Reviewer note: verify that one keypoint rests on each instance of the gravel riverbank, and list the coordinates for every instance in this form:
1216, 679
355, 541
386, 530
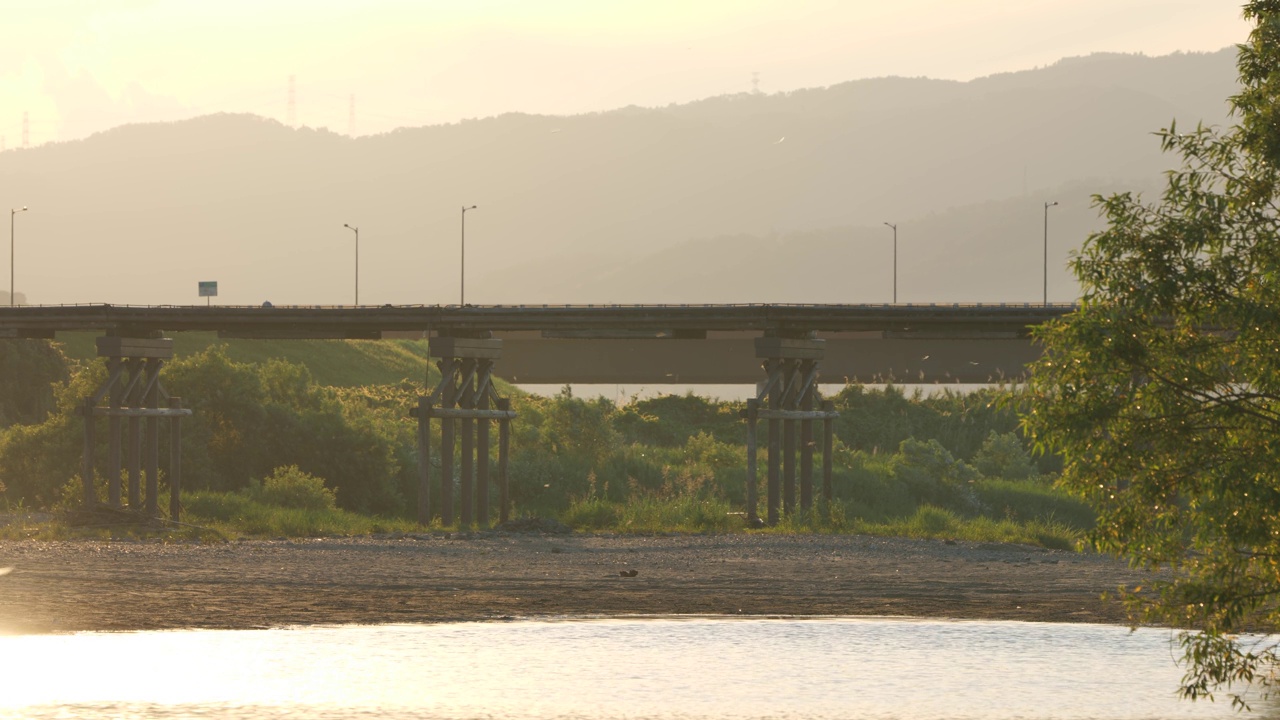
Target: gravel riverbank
126, 585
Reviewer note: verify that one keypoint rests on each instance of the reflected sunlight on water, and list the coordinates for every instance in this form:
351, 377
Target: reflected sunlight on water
643, 668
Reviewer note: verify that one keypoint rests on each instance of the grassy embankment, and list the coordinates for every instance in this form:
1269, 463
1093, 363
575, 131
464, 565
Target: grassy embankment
343, 363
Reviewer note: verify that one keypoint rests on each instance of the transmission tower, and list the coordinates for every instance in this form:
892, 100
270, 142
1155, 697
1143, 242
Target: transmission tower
26, 130
292, 116
351, 117
755, 83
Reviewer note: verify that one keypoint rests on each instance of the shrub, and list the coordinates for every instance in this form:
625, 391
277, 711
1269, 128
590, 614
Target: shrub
934, 477
1002, 455
289, 487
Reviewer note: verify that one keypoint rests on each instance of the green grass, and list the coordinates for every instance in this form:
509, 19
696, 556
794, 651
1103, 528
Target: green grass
237, 514
219, 516
1027, 500
650, 515
935, 523
340, 363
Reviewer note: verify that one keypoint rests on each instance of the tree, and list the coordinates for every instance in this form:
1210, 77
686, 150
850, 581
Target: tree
1163, 391
31, 369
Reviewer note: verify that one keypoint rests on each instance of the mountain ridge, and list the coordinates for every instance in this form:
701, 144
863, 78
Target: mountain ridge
572, 208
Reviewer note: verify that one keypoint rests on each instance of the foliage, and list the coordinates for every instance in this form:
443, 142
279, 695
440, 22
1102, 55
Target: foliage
867, 486
31, 369
934, 522
289, 487
878, 420
933, 476
1028, 500
1163, 391
659, 464
239, 513
247, 420
336, 363
1003, 455
37, 461
653, 515
670, 420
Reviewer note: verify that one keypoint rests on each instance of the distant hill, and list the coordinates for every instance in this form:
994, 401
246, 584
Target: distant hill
731, 199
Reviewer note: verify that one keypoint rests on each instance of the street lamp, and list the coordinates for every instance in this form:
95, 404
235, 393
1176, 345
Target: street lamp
356, 230
895, 261
12, 213
1047, 205
462, 282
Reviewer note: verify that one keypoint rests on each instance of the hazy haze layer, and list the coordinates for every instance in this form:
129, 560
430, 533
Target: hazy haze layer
83, 67
736, 198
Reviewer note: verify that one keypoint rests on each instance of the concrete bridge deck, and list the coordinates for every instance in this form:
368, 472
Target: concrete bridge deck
968, 343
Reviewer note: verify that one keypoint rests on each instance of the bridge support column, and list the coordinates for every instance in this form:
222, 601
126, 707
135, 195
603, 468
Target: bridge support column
465, 394
791, 393
133, 392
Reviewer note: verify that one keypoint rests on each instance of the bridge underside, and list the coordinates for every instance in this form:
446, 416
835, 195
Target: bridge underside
529, 359
626, 344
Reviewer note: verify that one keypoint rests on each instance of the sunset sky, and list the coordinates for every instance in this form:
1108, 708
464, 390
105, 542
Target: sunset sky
79, 67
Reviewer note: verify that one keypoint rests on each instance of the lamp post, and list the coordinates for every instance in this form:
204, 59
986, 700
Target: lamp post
12, 213
356, 230
895, 261
462, 281
1047, 205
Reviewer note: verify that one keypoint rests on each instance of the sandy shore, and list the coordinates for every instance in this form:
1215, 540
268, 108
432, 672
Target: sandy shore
121, 585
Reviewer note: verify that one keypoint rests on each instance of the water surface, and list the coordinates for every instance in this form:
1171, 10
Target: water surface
696, 668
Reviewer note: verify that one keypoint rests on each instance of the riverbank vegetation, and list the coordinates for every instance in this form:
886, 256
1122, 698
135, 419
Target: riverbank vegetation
1163, 390
943, 465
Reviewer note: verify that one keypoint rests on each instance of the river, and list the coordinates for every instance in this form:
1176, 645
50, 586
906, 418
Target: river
671, 668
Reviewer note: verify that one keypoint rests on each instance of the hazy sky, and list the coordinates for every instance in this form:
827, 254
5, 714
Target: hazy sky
81, 66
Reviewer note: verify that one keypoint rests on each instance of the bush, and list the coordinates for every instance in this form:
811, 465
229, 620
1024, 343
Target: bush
289, 487
1002, 455
869, 490
934, 477
671, 420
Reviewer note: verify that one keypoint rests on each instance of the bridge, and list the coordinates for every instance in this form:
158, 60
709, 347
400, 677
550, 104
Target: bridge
779, 346
652, 344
